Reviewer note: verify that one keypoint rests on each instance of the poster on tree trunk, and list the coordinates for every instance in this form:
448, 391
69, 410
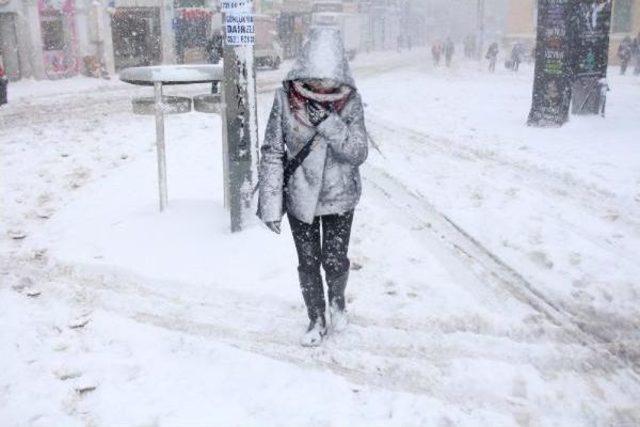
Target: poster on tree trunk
590, 28
552, 79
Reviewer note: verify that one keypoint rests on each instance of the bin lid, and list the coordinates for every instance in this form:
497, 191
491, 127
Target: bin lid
173, 74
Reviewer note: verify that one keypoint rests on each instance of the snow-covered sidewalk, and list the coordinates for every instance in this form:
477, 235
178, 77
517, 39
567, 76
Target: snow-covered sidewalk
108, 304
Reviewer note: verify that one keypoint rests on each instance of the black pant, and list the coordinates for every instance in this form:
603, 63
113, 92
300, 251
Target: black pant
624, 63
331, 251
3, 91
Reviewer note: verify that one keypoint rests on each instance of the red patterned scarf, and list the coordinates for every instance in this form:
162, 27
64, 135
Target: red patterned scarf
299, 94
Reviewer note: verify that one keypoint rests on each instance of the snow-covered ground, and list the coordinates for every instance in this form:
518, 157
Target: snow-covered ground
495, 281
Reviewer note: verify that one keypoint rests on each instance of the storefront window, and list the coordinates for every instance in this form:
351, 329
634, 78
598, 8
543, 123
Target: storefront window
52, 32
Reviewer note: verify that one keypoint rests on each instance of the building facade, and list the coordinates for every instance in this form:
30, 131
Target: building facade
62, 38
522, 16
625, 22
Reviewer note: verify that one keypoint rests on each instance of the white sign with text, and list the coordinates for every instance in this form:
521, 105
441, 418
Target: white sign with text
240, 29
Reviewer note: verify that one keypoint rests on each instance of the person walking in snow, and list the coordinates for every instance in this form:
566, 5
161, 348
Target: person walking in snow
449, 50
492, 56
516, 56
436, 52
625, 51
314, 143
4, 83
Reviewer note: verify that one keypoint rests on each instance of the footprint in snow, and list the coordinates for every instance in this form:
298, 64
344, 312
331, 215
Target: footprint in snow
541, 259
575, 258
582, 296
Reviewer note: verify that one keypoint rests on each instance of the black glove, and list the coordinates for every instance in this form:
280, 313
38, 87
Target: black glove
317, 113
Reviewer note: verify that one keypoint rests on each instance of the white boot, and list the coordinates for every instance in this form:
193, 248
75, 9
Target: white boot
339, 318
315, 333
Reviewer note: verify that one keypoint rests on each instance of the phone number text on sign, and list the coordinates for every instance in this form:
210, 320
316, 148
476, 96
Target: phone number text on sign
240, 30
230, 6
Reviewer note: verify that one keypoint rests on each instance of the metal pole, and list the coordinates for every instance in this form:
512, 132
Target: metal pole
225, 144
160, 148
241, 129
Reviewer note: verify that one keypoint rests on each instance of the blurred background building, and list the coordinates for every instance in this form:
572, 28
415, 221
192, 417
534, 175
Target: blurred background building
61, 38
522, 16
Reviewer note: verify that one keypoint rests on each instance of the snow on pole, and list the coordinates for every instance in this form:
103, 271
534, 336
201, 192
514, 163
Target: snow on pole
160, 145
240, 110
553, 69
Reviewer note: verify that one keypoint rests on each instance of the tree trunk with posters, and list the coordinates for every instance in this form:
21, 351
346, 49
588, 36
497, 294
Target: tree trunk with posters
240, 120
553, 71
590, 26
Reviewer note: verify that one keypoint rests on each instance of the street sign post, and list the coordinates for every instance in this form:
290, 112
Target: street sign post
240, 121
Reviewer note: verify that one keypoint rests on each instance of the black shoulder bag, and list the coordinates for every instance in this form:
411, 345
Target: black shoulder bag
291, 165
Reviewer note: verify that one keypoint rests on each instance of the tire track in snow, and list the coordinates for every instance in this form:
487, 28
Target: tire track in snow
497, 271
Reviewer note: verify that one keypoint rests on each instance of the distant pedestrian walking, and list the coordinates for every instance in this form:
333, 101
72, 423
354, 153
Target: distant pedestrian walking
309, 170
625, 52
436, 53
470, 46
4, 84
449, 50
517, 52
492, 56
